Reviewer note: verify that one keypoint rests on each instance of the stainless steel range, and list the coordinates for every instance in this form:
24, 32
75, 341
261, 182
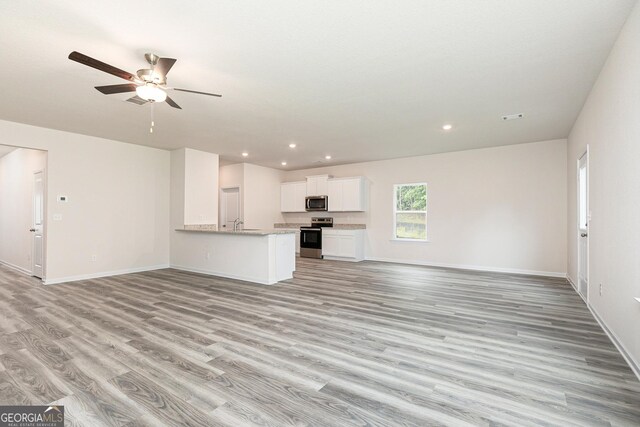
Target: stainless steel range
311, 237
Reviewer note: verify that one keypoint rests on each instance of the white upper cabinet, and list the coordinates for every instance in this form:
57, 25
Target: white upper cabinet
317, 185
292, 196
344, 194
334, 195
347, 194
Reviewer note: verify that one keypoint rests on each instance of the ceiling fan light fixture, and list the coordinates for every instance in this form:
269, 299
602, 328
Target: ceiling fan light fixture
151, 93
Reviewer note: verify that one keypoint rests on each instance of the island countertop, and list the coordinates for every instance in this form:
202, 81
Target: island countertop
249, 232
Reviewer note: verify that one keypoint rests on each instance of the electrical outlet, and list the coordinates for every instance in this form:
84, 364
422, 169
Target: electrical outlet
600, 289
94, 258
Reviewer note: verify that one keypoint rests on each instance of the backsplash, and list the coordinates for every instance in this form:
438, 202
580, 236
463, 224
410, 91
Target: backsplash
338, 217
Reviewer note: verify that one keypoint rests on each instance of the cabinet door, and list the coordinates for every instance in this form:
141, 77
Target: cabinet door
298, 241
286, 197
330, 245
352, 195
334, 192
312, 186
347, 247
321, 186
299, 194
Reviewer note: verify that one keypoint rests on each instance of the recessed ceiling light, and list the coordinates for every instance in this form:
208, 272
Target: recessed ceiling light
292, 145
284, 163
327, 157
245, 154
447, 127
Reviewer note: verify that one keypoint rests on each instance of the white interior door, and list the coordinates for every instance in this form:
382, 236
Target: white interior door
583, 225
38, 225
230, 207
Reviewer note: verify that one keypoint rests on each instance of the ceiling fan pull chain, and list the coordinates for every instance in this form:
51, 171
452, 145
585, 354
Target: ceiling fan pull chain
152, 121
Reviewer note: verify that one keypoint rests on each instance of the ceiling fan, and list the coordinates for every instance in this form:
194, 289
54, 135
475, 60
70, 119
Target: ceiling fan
149, 84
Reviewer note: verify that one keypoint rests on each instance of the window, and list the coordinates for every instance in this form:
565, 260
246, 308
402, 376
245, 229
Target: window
410, 211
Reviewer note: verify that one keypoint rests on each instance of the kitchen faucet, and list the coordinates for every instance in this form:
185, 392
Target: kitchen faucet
236, 223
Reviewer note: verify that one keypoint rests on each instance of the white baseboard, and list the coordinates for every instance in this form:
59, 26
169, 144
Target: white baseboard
225, 275
339, 258
104, 274
633, 364
575, 288
472, 267
17, 268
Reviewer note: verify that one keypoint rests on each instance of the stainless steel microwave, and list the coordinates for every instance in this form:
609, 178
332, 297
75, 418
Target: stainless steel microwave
316, 203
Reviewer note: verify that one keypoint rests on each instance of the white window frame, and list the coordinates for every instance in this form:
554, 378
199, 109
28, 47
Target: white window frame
396, 211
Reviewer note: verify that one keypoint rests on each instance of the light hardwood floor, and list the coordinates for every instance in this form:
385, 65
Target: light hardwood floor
341, 344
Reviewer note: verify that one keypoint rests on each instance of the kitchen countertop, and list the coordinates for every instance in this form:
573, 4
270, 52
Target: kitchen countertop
239, 232
293, 225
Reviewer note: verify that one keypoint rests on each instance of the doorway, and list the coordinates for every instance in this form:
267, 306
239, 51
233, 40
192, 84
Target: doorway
583, 225
230, 207
38, 225
23, 185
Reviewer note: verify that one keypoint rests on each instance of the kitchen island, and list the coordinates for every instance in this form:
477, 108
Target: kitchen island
259, 256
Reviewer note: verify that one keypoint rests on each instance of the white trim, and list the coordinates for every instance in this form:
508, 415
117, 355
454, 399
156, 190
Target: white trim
17, 268
339, 258
471, 267
396, 239
588, 213
394, 236
45, 212
226, 275
104, 274
575, 288
634, 365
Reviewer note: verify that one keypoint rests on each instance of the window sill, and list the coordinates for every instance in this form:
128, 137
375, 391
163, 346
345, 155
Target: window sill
394, 239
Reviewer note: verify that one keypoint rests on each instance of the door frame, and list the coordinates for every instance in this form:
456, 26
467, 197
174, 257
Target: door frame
223, 203
45, 228
584, 154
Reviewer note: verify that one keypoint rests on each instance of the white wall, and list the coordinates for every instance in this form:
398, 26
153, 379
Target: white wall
498, 208
16, 205
194, 187
201, 187
177, 188
610, 124
261, 196
259, 192
118, 205
232, 176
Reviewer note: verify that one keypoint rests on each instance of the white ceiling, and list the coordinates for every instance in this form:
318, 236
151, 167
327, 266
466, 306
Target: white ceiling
360, 80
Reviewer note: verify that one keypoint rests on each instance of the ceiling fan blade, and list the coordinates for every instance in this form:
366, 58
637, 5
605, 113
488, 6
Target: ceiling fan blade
98, 65
198, 92
164, 65
137, 100
111, 89
173, 103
